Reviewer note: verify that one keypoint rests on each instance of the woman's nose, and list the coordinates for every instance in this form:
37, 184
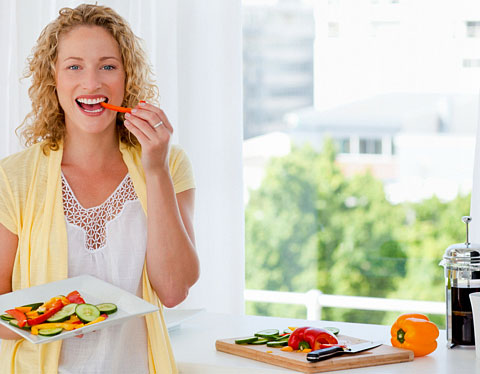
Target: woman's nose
91, 81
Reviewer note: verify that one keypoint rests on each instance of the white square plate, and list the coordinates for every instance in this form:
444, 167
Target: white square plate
93, 290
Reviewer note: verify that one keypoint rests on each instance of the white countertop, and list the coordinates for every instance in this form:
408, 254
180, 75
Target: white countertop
194, 347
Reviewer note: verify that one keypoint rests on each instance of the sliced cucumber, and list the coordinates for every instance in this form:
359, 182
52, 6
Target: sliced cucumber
267, 334
34, 306
277, 343
259, 342
248, 340
50, 332
333, 330
64, 313
87, 312
6, 317
107, 308
14, 322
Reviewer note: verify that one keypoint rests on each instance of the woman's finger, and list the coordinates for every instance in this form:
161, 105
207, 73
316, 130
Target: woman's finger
142, 125
150, 117
154, 113
139, 134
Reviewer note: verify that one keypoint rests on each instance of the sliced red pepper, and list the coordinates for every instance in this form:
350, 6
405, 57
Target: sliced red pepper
296, 337
316, 337
19, 316
74, 297
43, 317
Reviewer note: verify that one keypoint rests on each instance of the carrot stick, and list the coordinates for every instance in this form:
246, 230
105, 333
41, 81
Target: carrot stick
116, 108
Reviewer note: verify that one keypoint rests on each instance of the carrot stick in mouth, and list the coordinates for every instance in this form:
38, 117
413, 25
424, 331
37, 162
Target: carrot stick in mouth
120, 109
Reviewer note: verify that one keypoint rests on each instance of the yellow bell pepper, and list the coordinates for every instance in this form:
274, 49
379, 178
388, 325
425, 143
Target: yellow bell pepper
99, 319
24, 309
54, 325
416, 333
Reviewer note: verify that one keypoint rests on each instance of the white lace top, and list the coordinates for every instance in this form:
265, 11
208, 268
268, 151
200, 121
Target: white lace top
109, 242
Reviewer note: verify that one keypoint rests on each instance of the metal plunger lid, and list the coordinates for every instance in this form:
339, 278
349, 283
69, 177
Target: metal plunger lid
463, 255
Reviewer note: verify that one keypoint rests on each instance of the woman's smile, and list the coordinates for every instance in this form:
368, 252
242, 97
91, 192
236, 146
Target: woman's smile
90, 104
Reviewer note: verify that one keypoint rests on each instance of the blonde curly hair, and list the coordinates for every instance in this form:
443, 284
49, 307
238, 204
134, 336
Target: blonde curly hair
46, 121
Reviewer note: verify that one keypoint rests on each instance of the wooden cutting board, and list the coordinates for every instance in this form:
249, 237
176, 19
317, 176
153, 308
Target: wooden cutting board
381, 355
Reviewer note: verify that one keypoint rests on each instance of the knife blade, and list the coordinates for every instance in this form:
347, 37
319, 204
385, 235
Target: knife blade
324, 353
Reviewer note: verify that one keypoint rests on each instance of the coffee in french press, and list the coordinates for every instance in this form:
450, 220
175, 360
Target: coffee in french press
462, 277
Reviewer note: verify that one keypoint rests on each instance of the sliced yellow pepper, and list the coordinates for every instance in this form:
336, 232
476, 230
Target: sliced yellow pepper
99, 319
54, 325
73, 319
24, 309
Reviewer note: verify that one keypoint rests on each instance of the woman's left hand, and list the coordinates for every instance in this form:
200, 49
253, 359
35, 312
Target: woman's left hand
153, 130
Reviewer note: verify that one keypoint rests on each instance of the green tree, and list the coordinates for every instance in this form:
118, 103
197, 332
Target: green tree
310, 227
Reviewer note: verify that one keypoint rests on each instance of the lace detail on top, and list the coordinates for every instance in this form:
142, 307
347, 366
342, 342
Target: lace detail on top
93, 221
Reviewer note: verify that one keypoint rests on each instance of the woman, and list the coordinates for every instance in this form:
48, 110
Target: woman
76, 201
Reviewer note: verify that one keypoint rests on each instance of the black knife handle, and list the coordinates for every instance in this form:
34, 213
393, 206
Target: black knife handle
324, 353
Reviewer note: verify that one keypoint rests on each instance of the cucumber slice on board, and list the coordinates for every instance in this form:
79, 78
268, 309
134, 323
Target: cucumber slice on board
87, 312
64, 313
277, 343
107, 308
50, 332
268, 334
260, 342
248, 340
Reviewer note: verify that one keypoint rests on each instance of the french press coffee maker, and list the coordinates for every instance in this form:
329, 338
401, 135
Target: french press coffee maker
462, 277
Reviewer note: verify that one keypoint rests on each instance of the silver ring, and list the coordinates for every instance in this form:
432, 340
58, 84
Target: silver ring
158, 124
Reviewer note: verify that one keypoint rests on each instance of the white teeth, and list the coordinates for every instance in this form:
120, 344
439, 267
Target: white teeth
93, 111
91, 101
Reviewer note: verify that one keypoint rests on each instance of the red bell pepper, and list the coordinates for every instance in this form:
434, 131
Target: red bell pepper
314, 336
74, 297
296, 337
18, 315
43, 317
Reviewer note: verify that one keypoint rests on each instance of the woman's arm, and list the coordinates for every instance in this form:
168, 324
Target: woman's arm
172, 261
8, 250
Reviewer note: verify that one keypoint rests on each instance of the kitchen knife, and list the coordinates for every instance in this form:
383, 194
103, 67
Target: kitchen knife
324, 353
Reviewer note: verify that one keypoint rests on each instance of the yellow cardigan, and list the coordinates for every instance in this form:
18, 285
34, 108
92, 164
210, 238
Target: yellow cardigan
31, 206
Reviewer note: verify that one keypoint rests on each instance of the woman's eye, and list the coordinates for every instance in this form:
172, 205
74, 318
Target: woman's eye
73, 67
108, 67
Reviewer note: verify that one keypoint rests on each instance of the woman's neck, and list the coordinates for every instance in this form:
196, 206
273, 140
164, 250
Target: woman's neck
91, 152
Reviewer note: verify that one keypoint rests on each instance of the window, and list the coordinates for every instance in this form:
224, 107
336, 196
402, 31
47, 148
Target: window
471, 62
473, 29
355, 181
371, 146
343, 145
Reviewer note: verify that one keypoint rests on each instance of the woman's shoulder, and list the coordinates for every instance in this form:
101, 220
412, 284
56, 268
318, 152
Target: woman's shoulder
176, 150
22, 161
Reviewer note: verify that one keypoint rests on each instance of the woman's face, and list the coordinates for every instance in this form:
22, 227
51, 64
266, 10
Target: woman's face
89, 70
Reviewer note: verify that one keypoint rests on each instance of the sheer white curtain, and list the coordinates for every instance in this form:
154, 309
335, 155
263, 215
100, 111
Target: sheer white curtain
195, 49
